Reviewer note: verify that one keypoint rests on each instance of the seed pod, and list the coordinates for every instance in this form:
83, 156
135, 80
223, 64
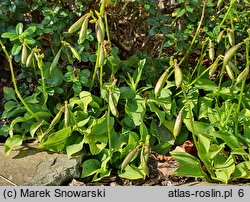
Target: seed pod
213, 67
75, 53
56, 59
144, 163
29, 59
129, 157
161, 81
66, 114
211, 50
178, 75
231, 38
178, 124
24, 54
112, 105
100, 30
101, 56
230, 72
219, 37
146, 149
233, 67
56, 118
229, 54
83, 31
76, 25
243, 75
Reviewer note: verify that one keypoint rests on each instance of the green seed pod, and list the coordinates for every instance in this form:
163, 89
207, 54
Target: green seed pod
219, 37
231, 38
178, 75
233, 67
213, 67
146, 149
211, 50
24, 54
101, 56
75, 53
230, 72
66, 114
144, 162
229, 54
83, 31
129, 157
178, 124
56, 118
112, 105
56, 59
76, 25
160, 83
243, 75
29, 59
100, 30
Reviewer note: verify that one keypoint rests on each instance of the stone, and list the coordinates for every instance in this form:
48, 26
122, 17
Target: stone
27, 167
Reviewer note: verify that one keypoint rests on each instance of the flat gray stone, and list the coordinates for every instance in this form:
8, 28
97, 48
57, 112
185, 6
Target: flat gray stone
26, 166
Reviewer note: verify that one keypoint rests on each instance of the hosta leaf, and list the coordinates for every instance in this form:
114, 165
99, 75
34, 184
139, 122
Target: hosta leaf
131, 173
189, 165
90, 167
35, 126
11, 143
75, 147
242, 170
57, 140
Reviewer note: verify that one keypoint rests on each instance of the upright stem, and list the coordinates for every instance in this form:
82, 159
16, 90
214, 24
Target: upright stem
241, 91
194, 38
95, 70
109, 133
14, 81
227, 13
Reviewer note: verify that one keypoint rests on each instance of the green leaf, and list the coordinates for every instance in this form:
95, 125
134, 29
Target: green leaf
11, 143
135, 110
16, 49
199, 127
229, 139
11, 35
224, 168
206, 85
35, 126
9, 93
131, 173
189, 165
19, 28
57, 140
90, 167
30, 41
29, 31
10, 105
76, 147
242, 170
97, 137
14, 122
127, 92
4, 131
86, 98
159, 113
164, 136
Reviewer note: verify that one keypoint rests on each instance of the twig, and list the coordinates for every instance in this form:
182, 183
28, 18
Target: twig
7, 180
